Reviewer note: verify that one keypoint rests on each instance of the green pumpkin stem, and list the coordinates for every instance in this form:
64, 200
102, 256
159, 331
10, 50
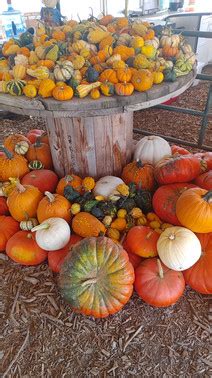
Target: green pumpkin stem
50, 196
160, 269
208, 196
8, 153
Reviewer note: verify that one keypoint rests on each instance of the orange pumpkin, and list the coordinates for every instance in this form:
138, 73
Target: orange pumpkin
23, 201
8, 227
59, 35
86, 225
124, 89
70, 180
63, 93
46, 63
124, 51
170, 51
23, 249
40, 151
105, 20
142, 241
3, 206
149, 35
12, 165
11, 141
124, 74
204, 180
142, 80
108, 75
24, 51
141, 174
53, 205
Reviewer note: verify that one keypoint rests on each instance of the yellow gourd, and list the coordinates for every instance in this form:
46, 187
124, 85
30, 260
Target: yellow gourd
88, 183
122, 213
19, 71
113, 234
39, 73
158, 77
30, 91
46, 88
119, 224
33, 58
83, 90
95, 94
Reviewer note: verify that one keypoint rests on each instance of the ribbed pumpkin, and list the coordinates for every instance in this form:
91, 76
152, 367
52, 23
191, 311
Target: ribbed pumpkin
70, 180
24, 201
12, 165
86, 225
109, 75
142, 241
8, 227
30, 91
11, 141
97, 265
205, 180
53, 205
46, 87
63, 93
124, 89
40, 151
124, 74
141, 174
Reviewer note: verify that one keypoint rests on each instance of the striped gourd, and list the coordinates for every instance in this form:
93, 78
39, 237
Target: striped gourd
63, 70
15, 87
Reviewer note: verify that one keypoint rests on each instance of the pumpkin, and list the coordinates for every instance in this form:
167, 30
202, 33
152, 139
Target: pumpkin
141, 174
134, 259
52, 234
142, 80
35, 82
40, 151
124, 74
3, 206
149, 51
43, 179
110, 276
151, 149
11, 141
12, 165
63, 93
69, 180
33, 134
153, 42
124, 51
105, 20
158, 285
178, 248
206, 158
30, 91
164, 201
56, 258
19, 72
108, 75
114, 58
106, 186
124, 89
86, 225
53, 206
59, 35
24, 199
28, 224
177, 168
8, 227
23, 249
137, 42
141, 61
15, 87
63, 70
46, 87
194, 210
170, 51
22, 147
142, 241
198, 277
204, 180
179, 150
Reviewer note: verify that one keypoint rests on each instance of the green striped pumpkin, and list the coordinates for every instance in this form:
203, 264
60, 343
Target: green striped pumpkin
15, 87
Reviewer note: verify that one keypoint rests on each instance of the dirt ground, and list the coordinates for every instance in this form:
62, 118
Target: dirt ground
42, 337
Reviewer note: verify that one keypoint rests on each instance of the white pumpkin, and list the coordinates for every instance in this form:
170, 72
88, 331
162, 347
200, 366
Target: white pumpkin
151, 149
52, 234
178, 248
63, 71
106, 186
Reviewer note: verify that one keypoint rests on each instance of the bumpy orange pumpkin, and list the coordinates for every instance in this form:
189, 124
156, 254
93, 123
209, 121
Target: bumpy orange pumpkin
53, 205
142, 80
108, 75
23, 201
141, 174
86, 225
124, 89
124, 74
63, 93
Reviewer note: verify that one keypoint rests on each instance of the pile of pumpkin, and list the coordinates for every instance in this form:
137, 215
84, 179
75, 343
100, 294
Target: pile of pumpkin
144, 228
107, 56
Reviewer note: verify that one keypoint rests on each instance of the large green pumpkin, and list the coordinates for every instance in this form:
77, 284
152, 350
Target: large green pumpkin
96, 277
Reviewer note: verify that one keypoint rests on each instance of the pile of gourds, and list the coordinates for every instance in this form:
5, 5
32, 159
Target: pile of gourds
151, 227
93, 57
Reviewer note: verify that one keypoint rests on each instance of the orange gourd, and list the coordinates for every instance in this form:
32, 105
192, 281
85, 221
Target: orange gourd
53, 205
59, 35
70, 180
124, 51
108, 75
124, 74
142, 241
86, 225
46, 63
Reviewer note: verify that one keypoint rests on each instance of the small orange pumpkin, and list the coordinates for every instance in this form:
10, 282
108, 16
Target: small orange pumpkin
71, 180
46, 63
86, 225
62, 93
108, 75
124, 89
124, 74
40, 151
142, 80
59, 35
53, 205
141, 174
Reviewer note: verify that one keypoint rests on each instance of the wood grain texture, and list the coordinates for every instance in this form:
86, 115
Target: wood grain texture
95, 146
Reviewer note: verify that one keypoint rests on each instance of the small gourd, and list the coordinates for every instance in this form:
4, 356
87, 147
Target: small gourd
83, 90
35, 164
28, 224
39, 73
119, 224
63, 70
95, 94
15, 87
22, 147
19, 72
30, 91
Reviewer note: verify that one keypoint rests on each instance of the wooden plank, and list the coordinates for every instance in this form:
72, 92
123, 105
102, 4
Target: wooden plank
21, 102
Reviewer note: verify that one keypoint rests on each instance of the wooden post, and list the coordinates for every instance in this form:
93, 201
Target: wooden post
91, 146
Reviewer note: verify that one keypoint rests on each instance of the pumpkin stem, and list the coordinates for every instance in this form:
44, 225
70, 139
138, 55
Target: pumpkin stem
171, 236
20, 187
50, 196
29, 236
139, 163
160, 269
208, 196
42, 226
8, 153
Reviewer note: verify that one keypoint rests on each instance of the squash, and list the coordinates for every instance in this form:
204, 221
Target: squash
62, 93
124, 75
107, 89
137, 42
43, 179
141, 174
15, 87
204, 180
96, 35
86, 225
111, 276
95, 94
30, 91
124, 89
124, 51
78, 62
7, 187
158, 77
198, 277
109, 75
23, 249
170, 51
19, 72
46, 63
177, 168
53, 205
178, 248
179, 150
164, 201
28, 224
151, 149
40, 73
142, 80
194, 210
26, 38
52, 234
12, 165
91, 75
8, 227
69, 180
11, 141
23, 200
50, 53
40, 151
46, 88
33, 58
106, 186
22, 147
83, 90
142, 241
158, 285
35, 164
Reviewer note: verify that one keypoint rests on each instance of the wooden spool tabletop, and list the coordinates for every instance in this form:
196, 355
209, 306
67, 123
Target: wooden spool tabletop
93, 137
